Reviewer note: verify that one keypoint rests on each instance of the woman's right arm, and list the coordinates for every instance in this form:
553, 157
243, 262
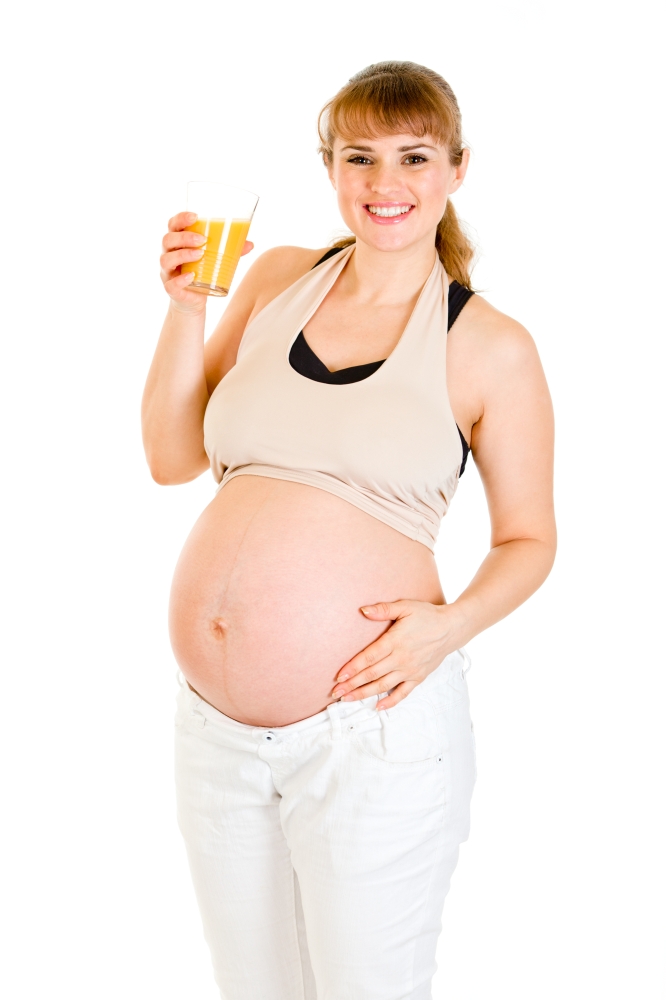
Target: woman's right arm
176, 392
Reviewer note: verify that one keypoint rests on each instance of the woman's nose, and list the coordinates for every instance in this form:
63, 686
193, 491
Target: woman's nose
385, 180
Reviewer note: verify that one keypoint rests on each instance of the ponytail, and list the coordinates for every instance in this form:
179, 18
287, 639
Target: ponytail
455, 250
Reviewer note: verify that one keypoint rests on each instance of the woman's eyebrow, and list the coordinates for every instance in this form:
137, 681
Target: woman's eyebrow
401, 149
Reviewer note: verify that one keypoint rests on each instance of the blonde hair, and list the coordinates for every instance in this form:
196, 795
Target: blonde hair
390, 98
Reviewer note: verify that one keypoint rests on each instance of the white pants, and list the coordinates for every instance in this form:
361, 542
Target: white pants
321, 852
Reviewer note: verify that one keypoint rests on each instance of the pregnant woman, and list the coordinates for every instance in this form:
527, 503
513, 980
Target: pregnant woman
324, 750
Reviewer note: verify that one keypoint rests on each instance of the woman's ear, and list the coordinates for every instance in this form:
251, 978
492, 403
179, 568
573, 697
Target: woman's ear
460, 171
328, 163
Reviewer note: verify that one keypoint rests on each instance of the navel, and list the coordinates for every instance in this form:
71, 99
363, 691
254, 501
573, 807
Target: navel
219, 628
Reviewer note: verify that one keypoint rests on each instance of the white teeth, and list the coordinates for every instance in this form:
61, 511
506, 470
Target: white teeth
389, 211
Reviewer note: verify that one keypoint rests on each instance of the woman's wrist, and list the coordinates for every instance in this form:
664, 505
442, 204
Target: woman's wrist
185, 309
460, 622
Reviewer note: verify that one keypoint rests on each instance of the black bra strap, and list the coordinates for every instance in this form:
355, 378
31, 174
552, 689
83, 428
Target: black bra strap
327, 255
459, 296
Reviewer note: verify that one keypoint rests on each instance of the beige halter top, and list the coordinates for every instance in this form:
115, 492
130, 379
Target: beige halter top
387, 444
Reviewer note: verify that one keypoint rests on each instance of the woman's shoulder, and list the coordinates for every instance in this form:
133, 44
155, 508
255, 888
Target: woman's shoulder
491, 359
483, 330
291, 257
278, 268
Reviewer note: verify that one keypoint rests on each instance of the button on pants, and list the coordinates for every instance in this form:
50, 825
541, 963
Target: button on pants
321, 852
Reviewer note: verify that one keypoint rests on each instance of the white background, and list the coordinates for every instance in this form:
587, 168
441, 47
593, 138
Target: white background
110, 109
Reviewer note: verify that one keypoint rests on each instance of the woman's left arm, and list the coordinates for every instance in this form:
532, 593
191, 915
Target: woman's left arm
512, 444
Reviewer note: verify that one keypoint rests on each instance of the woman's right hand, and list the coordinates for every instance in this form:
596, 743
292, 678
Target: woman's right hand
181, 247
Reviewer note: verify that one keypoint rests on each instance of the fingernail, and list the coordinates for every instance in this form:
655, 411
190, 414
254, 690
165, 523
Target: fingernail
199, 239
347, 697
343, 677
367, 611
196, 253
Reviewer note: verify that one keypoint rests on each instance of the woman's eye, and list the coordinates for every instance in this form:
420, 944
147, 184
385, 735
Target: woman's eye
358, 159
415, 158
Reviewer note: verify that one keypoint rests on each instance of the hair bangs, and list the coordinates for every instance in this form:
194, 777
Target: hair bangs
386, 105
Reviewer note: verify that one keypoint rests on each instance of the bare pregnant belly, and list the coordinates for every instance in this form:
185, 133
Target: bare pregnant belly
266, 597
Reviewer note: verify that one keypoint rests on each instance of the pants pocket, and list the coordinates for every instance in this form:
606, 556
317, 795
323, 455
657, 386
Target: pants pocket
408, 733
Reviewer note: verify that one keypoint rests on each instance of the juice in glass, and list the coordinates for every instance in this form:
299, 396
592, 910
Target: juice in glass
224, 242
224, 217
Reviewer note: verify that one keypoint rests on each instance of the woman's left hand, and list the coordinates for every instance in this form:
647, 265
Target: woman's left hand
421, 636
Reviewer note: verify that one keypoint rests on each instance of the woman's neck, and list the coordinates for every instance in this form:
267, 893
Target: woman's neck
388, 278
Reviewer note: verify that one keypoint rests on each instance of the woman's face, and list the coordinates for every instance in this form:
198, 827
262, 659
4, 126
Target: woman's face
392, 191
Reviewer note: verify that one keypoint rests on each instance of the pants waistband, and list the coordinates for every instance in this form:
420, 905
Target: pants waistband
332, 715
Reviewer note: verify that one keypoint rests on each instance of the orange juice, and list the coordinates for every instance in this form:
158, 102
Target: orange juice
224, 242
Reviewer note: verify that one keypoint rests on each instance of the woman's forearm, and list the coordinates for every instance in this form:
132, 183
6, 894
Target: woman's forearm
510, 573
175, 400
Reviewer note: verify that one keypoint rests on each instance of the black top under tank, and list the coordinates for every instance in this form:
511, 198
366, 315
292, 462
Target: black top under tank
304, 360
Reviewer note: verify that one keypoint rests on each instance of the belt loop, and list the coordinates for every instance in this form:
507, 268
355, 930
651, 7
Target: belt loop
193, 697
336, 725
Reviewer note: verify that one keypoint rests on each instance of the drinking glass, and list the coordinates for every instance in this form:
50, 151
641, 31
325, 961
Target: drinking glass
224, 216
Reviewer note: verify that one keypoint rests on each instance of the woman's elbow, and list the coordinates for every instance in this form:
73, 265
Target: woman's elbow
170, 474
163, 477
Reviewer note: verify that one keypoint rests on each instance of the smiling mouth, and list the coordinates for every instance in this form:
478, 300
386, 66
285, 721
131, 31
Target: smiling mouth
388, 211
